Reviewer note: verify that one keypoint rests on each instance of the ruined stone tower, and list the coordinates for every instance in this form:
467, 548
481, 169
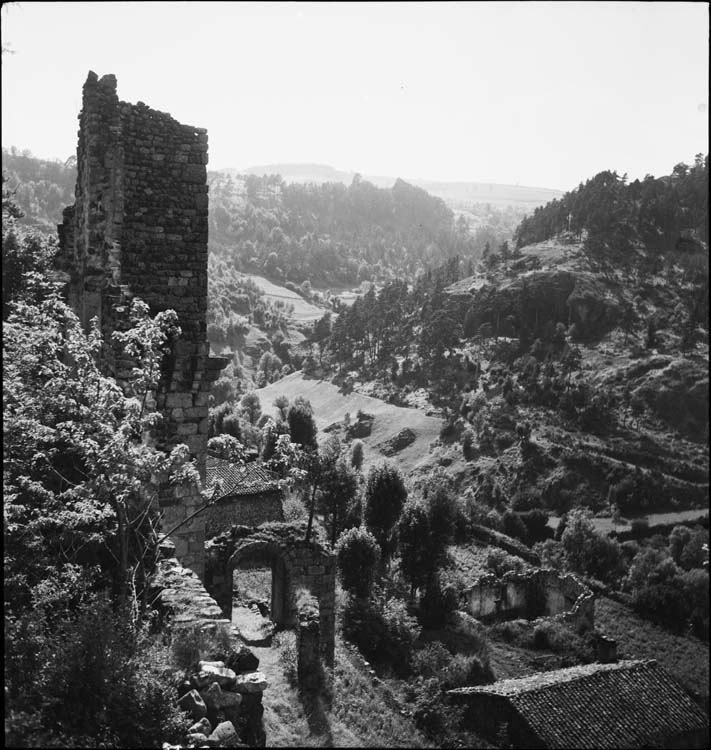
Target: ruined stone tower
139, 229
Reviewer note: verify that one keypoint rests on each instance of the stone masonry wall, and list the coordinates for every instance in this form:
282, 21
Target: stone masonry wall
139, 229
564, 597
302, 565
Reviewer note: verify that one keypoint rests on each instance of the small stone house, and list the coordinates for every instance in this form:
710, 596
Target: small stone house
248, 496
628, 704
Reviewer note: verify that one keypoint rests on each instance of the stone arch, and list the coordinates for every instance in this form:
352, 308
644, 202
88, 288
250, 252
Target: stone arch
296, 564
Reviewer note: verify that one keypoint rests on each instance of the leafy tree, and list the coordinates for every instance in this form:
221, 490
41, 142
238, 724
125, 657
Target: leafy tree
227, 448
413, 534
282, 404
252, 407
385, 496
339, 486
79, 483
358, 555
357, 454
26, 258
320, 334
687, 546
442, 513
302, 426
589, 552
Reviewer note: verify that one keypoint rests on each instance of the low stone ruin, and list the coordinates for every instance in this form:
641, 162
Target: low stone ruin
538, 593
224, 694
224, 697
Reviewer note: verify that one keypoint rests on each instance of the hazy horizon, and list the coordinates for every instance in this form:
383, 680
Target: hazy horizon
532, 94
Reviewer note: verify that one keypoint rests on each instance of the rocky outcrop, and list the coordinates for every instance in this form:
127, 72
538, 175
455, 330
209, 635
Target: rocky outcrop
362, 427
535, 298
678, 394
398, 442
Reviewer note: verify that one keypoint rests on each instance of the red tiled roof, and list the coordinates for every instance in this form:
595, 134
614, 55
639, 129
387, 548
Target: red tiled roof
250, 479
628, 704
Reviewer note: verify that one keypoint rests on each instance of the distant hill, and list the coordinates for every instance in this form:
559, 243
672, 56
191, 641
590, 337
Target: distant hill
455, 194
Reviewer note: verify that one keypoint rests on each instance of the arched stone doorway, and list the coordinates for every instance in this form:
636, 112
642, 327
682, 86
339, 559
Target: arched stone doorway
295, 564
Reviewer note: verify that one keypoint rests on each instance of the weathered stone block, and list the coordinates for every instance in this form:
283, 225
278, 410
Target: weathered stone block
193, 703
251, 682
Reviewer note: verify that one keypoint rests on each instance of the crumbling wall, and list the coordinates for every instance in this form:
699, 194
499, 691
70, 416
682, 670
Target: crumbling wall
223, 695
300, 565
542, 592
139, 229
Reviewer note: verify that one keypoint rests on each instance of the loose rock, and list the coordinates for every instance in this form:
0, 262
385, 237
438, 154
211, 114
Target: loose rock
193, 703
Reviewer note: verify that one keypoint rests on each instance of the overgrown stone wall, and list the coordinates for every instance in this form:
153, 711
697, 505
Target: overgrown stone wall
139, 229
537, 593
223, 690
296, 564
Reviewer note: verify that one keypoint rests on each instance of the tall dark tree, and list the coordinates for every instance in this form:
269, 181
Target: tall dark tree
385, 496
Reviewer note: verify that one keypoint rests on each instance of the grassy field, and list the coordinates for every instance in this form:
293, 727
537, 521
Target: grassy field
304, 311
330, 405
685, 658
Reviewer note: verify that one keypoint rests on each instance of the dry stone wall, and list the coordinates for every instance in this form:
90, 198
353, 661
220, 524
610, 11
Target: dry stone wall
223, 691
139, 229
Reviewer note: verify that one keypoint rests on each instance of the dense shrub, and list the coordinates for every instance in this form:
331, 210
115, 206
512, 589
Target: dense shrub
431, 660
382, 629
465, 670
687, 546
500, 562
438, 603
358, 555
589, 552
385, 495
86, 678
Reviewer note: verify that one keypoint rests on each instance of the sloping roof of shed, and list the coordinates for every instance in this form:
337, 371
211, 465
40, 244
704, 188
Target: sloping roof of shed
250, 479
628, 704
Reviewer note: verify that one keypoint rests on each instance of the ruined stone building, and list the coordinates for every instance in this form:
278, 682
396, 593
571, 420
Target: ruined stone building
138, 228
249, 496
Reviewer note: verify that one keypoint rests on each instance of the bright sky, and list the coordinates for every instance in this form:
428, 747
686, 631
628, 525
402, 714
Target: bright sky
540, 94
